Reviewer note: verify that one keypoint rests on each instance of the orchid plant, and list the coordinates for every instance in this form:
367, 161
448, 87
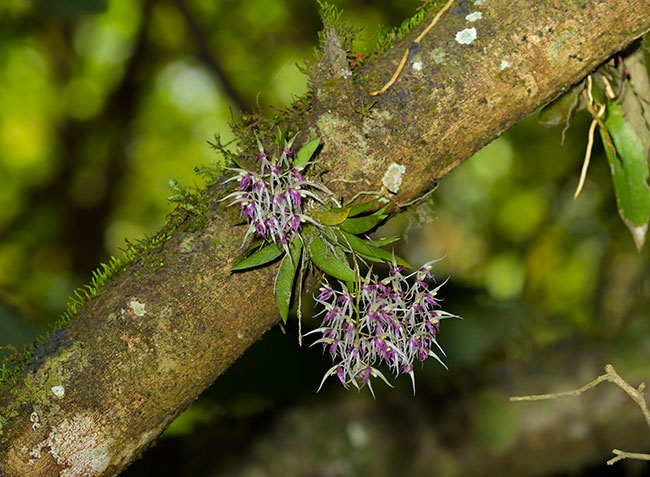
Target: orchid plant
366, 321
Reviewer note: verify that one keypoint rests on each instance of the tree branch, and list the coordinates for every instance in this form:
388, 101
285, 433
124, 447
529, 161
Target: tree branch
133, 358
611, 376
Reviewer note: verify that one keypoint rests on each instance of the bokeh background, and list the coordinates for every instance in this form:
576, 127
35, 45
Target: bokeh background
102, 104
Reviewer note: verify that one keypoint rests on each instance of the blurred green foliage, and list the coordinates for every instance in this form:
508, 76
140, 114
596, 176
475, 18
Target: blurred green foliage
98, 112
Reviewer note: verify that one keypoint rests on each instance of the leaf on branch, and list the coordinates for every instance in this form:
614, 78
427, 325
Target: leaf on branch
331, 216
629, 168
362, 207
260, 257
360, 225
369, 251
385, 241
306, 152
286, 276
325, 259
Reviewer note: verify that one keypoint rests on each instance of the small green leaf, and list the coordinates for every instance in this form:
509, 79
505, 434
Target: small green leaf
306, 152
331, 216
280, 138
368, 250
362, 207
359, 225
260, 257
385, 241
286, 276
629, 170
357, 209
325, 259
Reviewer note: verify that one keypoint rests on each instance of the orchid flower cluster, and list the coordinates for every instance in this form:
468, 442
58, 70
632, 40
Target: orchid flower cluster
366, 321
394, 321
274, 200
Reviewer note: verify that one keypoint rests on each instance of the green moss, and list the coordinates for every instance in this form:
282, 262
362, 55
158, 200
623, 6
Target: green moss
388, 37
12, 379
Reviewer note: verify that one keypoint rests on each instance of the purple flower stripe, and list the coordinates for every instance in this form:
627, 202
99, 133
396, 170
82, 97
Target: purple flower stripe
326, 294
391, 322
295, 197
245, 182
298, 175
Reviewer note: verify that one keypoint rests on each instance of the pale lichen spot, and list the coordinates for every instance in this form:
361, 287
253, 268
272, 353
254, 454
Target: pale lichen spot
393, 177
58, 391
77, 446
466, 36
187, 245
138, 308
438, 55
472, 17
34, 419
479, 2
504, 64
417, 65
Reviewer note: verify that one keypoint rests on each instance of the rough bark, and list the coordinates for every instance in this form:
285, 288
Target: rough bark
100, 390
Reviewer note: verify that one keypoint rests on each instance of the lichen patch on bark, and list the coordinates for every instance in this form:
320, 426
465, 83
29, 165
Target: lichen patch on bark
137, 308
78, 446
393, 177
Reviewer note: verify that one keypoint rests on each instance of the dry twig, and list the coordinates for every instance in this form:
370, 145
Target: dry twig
637, 395
405, 56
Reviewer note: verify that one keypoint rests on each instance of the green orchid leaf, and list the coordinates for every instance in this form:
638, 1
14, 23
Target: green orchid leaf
260, 257
629, 168
368, 250
306, 152
285, 278
324, 258
354, 210
359, 225
362, 207
331, 216
251, 248
385, 241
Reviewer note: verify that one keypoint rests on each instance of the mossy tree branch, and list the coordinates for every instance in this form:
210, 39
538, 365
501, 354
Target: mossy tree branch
99, 391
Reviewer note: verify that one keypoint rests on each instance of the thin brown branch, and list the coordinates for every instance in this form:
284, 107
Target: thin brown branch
405, 56
611, 376
620, 455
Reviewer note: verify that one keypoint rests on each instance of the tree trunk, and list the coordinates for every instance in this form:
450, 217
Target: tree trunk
100, 390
